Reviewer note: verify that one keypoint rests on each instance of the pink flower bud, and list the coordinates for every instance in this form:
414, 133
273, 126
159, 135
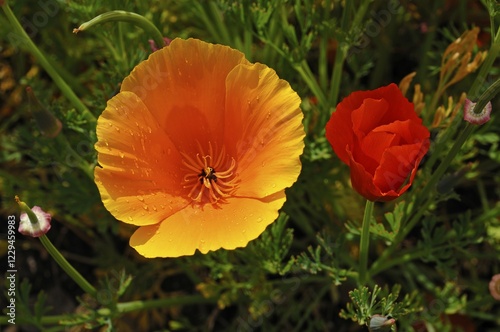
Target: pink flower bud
36, 229
476, 117
495, 287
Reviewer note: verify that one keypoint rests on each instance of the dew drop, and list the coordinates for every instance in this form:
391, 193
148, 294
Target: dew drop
154, 208
263, 164
140, 198
273, 185
117, 129
122, 155
145, 207
244, 231
259, 219
130, 218
150, 130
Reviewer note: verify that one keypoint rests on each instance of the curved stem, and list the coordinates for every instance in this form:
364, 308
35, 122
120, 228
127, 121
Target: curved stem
123, 16
67, 267
364, 242
65, 89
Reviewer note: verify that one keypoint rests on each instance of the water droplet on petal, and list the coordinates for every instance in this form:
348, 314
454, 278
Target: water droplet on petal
259, 219
140, 198
130, 218
145, 207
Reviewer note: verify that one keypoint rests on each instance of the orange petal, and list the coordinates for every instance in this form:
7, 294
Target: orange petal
264, 121
183, 86
140, 176
208, 228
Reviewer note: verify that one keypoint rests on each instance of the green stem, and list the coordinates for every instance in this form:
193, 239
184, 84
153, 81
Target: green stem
127, 307
364, 242
360, 12
487, 96
493, 53
67, 267
163, 303
333, 94
65, 89
307, 75
337, 75
123, 16
323, 63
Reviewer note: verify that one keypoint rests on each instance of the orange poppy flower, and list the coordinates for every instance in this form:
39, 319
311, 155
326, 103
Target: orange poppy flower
197, 149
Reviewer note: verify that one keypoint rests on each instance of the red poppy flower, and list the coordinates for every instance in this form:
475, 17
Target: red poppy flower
380, 137
197, 149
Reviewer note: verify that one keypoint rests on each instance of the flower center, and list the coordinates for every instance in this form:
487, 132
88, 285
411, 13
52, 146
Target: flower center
210, 177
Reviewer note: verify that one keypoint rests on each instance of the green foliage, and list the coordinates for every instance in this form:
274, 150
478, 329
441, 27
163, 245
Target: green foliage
433, 251
366, 303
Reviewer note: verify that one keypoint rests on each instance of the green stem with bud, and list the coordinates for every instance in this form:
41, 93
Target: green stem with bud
58, 257
123, 16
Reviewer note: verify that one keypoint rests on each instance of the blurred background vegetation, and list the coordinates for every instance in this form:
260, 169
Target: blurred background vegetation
298, 275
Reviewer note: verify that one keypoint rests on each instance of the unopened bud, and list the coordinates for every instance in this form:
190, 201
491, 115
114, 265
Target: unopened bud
477, 117
381, 323
34, 222
155, 48
495, 287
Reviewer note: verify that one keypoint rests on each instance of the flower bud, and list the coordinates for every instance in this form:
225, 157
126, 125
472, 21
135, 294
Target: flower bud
476, 117
381, 323
49, 125
495, 287
155, 48
34, 222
